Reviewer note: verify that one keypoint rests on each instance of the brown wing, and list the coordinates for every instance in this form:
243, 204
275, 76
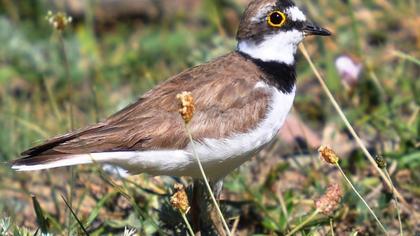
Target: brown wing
226, 103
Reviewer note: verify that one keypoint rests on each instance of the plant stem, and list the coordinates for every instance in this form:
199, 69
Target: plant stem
354, 26
68, 78
70, 94
75, 216
184, 217
305, 222
235, 225
332, 226
361, 198
407, 57
396, 205
207, 182
347, 123
283, 206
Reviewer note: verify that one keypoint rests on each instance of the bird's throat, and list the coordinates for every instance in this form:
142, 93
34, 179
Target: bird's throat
280, 47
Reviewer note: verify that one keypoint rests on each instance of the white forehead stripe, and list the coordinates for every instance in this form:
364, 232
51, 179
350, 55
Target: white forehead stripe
295, 14
262, 13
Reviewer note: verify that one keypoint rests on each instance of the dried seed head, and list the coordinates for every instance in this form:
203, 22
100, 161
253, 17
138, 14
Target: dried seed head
330, 201
328, 155
187, 106
58, 20
180, 199
380, 161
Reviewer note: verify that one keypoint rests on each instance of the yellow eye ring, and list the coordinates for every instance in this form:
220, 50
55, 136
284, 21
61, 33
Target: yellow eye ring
276, 19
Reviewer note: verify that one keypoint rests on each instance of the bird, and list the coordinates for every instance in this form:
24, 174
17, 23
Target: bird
241, 101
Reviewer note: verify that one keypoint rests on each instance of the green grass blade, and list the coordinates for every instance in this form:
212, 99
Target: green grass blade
99, 205
40, 218
407, 57
75, 216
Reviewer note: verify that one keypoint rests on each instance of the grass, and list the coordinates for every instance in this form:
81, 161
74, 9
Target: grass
113, 63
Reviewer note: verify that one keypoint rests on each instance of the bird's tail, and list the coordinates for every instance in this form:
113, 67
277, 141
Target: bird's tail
42, 162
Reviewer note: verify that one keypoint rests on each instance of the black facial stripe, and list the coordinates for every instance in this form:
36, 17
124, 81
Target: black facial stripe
280, 75
290, 25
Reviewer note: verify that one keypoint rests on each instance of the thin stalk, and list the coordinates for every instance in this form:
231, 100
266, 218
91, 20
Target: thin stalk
68, 78
184, 217
70, 197
361, 198
51, 99
332, 226
75, 216
207, 182
305, 222
407, 57
414, 117
349, 126
235, 226
214, 9
89, 22
70, 94
355, 28
396, 203
283, 206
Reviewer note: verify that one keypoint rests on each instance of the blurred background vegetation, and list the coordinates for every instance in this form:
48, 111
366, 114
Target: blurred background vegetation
117, 50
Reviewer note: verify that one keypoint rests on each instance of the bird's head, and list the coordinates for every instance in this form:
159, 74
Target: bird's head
271, 30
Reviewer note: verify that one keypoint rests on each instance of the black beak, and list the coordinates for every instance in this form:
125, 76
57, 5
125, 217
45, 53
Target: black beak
312, 29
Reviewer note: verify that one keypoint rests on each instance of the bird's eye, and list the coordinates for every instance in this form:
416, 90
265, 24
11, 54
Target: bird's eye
276, 19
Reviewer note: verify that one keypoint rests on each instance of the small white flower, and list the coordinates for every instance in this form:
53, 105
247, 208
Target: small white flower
349, 70
58, 20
